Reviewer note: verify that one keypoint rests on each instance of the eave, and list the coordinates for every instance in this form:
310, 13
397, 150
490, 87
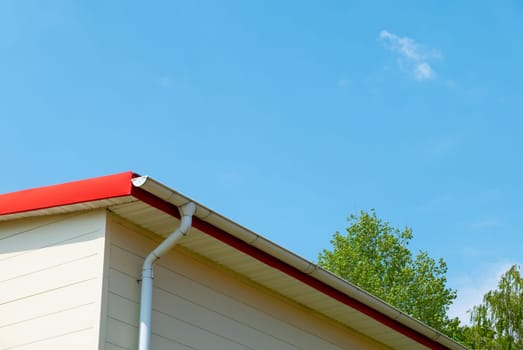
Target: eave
153, 206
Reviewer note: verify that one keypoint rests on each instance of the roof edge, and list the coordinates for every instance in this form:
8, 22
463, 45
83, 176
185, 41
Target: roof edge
167, 200
163, 198
104, 187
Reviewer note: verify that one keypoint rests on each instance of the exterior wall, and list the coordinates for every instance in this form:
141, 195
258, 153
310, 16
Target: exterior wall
51, 281
198, 305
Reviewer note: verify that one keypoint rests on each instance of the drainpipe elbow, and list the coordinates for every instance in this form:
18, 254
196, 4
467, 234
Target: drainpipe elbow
186, 212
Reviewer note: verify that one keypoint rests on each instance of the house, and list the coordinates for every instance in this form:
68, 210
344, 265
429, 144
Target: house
71, 261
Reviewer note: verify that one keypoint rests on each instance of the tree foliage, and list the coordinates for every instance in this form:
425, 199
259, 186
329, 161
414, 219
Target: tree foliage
498, 322
375, 256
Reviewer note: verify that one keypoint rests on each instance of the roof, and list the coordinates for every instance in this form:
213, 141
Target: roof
154, 206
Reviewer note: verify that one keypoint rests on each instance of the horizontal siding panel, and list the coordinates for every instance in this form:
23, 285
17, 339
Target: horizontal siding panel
240, 312
109, 346
56, 277
46, 303
224, 324
123, 309
180, 331
48, 257
77, 340
50, 326
198, 317
124, 285
121, 334
214, 311
162, 343
124, 336
195, 300
13, 227
124, 237
126, 261
50, 281
17, 238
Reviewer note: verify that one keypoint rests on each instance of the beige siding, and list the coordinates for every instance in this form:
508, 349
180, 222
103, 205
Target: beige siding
200, 306
51, 281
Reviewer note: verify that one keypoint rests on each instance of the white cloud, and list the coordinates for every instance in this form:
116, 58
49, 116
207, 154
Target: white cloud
411, 56
423, 71
405, 46
473, 287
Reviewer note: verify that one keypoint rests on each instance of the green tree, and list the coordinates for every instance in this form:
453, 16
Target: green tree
375, 256
498, 322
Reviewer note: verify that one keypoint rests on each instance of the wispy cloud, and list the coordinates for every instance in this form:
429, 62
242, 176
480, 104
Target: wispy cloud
473, 287
412, 57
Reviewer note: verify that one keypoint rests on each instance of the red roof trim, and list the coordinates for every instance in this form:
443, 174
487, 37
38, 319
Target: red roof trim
104, 187
313, 282
273, 262
156, 202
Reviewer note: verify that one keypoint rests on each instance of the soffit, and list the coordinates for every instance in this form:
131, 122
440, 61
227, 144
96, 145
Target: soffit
63, 209
220, 253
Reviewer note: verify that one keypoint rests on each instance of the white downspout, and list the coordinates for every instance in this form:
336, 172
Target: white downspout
146, 303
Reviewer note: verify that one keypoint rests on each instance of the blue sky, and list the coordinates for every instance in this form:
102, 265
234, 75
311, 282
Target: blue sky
284, 116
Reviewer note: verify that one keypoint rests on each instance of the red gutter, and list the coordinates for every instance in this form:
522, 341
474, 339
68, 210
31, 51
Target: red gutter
303, 277
104, 187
